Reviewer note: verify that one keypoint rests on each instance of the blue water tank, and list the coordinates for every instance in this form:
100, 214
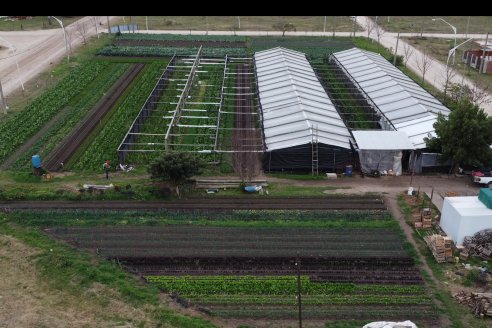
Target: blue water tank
348, 170
36, 161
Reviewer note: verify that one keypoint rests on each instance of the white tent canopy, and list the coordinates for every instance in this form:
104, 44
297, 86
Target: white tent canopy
294, 103
402, 102
382, 140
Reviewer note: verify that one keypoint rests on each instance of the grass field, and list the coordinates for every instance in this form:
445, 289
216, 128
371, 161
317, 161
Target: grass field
231, 23
416, 24
35, 23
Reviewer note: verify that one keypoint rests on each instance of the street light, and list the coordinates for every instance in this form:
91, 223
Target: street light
453, 51
65, 35
13, 49
454, 30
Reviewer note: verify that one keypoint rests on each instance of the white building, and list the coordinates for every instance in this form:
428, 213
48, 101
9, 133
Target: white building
464, 216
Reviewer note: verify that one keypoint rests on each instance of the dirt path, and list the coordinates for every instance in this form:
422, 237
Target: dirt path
392, 202
29, 143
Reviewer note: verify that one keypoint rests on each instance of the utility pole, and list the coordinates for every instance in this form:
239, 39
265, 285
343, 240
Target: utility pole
467, 26
109, 27
396, 48
482, 62
298, 266
146, 23
238, 22
324, 26
4, 101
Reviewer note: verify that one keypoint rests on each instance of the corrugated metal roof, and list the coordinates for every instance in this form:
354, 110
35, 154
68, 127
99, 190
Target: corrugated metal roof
382, 140
402, 101
294, 102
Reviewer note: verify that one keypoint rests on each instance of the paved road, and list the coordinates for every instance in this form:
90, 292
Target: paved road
37, 50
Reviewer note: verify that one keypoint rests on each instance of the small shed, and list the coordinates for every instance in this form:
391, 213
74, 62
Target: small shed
464, 216
381, 150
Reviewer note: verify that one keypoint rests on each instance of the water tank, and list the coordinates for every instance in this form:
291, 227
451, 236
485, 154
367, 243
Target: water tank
36, 161
348, 170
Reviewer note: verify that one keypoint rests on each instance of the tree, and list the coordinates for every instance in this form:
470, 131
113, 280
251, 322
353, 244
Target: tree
448, 75
379, 32
424, 62
408, 51
81, 29
369, 27
477, 93
464, 136
176, 168
284, 27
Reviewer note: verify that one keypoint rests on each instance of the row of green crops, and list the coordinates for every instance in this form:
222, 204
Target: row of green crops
347, 102
168, 51
76, 111
105, 144
272, 285
22, 125
274, 297
264, 218
180, 37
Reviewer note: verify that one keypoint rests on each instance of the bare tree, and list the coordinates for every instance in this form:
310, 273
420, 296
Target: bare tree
408, 51
448, 75
336, 22
424, 62
369, 27
479, 93
379, 31
82, 31
69, 33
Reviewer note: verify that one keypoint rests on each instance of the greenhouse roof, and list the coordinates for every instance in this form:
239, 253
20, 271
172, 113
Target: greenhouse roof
405, 104
294, 103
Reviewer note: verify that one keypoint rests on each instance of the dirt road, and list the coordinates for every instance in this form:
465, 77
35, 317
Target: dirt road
35, 51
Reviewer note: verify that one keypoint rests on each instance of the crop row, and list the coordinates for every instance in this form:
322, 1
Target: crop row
76, 111
323, 299
271, 285
105, 144
22, 125
277, 218
174, 37
415, 313
168, 51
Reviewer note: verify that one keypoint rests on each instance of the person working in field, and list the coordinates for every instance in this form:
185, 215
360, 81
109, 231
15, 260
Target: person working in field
106, 167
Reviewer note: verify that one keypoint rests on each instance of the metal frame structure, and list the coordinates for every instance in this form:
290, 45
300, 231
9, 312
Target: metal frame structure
173, 132
145, 111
